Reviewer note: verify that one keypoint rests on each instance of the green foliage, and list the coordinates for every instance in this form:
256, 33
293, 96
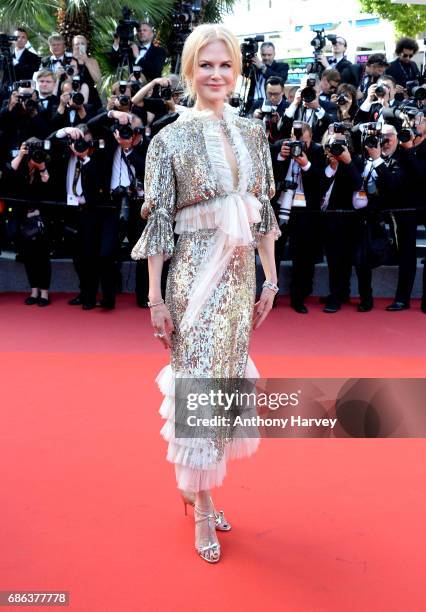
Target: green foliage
408, 19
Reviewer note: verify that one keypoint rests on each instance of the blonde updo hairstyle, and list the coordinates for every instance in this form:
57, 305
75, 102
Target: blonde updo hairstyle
201, 36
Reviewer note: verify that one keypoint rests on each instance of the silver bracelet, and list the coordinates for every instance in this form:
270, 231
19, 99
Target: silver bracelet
272, 286
151, 305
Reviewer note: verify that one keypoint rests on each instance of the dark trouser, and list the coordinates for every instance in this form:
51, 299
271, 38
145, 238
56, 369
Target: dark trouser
96, 255
341, 234
305, 244
36, 259
421, 220
406, 234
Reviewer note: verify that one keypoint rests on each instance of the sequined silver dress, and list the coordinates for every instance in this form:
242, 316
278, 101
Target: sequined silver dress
213, 179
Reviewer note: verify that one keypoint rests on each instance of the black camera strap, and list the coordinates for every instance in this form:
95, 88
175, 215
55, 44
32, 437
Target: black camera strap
132, 176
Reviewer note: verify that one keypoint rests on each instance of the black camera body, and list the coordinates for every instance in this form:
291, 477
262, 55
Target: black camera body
38, 150
249, 49
81, 145
126, 28
296, 147
126, 132
337, 147
372, 135
341, 100
76, 96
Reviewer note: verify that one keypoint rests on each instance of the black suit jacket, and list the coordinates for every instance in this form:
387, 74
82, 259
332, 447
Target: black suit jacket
348, 178
277, 69
27, 64
319, 126
403, 74
313, 180
152, 63
349, 72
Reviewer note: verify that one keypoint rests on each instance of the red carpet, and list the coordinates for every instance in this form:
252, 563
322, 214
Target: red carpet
89, 503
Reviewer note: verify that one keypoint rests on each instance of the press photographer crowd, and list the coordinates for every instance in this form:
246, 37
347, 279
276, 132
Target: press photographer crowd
348, 148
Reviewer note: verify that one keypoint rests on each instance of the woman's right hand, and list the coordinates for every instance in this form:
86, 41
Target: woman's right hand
162, 323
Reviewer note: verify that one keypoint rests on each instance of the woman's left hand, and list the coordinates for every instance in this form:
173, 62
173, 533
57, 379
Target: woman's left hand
263, 307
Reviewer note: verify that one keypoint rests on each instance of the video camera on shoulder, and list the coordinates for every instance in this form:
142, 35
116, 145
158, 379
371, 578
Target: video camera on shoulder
126, 27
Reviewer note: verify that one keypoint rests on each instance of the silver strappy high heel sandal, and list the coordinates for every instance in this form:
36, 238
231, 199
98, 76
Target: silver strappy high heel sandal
221, 523
214, 547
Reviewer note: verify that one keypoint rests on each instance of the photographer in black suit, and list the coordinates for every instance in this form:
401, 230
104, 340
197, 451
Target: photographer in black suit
301, 184
81, 182
125, 153
264, 68
272, 109
141, 53
348, 71
403, 69
25, 62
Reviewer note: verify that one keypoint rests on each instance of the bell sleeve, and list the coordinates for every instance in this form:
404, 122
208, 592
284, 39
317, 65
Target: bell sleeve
160, 200
268, 224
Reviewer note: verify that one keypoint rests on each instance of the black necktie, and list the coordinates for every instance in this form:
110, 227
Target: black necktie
77, 173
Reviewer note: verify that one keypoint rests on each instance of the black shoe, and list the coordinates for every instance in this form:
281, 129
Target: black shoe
30, 301
365, 305
75, 301
423, 307
107, 305
88, 306
299, 307
43, 301
331, 307
397, 306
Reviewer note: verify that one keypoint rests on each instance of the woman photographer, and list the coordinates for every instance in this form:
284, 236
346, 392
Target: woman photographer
345, 99
29, 179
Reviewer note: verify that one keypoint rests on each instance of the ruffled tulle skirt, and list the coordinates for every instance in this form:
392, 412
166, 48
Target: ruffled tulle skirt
216, 346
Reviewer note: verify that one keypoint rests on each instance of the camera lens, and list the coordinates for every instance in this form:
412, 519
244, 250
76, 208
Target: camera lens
380, 91
38, 156
124, 100
78, 98
125, 131
80, 145
308, 94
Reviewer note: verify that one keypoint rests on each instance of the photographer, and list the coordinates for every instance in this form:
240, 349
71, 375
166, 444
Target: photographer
46, 85
72, 109
124, 170
264, 68
80, 176
25, 62
344, 176
141, 52
156, 97
346, 104
372, 71
272, 109
22, 117
339, 61
299, 166
380, 95
412, 157
383, 186
29, 180
88, 69
329, 82
403, 69
308, 108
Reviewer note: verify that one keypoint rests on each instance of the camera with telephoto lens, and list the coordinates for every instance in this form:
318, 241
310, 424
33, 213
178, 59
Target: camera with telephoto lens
37, 150
123, 99
337, 128
415, 90
308, 93
27, 103
24, 84
126, 27
81, 145
336, 147
297, 130
76, 96
371, 135
249, 49
402, 119
296, 147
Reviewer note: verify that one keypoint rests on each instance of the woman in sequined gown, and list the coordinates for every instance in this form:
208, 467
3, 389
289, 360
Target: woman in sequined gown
210, 174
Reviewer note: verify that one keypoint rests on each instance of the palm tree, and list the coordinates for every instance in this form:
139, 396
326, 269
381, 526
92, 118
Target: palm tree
95, 19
